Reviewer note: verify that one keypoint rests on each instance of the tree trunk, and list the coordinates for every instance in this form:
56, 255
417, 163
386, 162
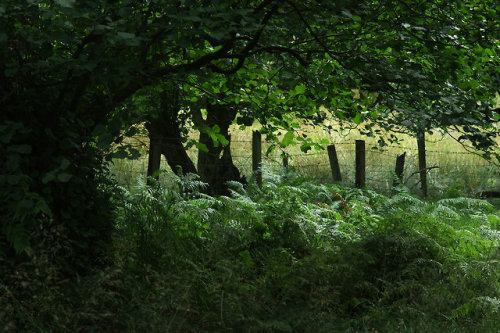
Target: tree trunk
164, 129
422, 164
154, 158
216, 166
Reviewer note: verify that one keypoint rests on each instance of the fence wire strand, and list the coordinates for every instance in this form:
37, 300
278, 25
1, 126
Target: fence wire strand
380, 161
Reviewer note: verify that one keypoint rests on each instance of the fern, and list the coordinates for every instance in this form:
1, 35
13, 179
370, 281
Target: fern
442, 211
297, 256
468, 204
17, 235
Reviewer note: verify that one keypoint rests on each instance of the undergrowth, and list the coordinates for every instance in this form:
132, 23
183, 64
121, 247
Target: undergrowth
291, 256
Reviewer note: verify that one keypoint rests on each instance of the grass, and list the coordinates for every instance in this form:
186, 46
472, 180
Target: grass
459, 172
293, 256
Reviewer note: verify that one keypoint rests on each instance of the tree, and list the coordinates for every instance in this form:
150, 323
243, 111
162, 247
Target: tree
417, 68
68, 68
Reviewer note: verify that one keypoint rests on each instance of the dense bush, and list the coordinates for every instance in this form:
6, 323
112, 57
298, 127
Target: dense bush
290, 257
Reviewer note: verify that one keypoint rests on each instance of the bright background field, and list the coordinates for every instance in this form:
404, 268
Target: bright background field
459, 173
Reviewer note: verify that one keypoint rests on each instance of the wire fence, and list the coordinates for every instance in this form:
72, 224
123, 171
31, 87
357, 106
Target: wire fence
467, 169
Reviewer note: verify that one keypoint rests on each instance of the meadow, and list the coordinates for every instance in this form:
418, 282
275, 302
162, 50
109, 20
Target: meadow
460, 172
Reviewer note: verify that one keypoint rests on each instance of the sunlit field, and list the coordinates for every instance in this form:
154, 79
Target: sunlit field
459, 172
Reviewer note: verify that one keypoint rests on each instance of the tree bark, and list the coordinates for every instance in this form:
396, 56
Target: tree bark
164, 129
422, 163
154, 158
216, 166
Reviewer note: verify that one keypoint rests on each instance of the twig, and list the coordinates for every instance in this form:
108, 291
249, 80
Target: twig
417, 172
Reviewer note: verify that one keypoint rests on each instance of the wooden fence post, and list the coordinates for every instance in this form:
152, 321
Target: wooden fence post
422, 164
360, 164
334, 163
257, 156
154, 159
285, 161
400, 165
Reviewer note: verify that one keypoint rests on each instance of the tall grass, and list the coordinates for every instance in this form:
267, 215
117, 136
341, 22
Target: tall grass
459, 173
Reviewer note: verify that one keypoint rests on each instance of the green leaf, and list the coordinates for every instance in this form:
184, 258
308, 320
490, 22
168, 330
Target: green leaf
489, 52
13, 179
201, 146
358, 118
65, 3
222, 139
494, 220
305, 147
125, 35
347, 13
134, 154
300, 89
64, 164
131, 131
374, 114
41, 206
214, 139
270, 149
215, 129
17, 237
105, 140
25, 204
119, 154
287, 139
64, 177
20, 149
49, 176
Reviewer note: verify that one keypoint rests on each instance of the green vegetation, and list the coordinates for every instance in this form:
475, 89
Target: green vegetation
75, 76
79, 253
460, 172
290, 257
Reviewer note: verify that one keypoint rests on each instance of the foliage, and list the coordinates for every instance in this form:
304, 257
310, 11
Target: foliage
68, 67
36, 201
292, 256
